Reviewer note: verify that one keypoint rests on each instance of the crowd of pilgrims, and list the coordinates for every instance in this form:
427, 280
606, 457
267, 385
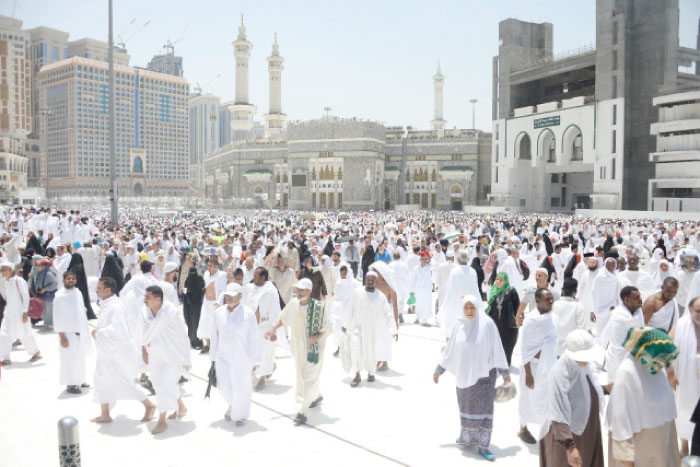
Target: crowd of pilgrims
606, 312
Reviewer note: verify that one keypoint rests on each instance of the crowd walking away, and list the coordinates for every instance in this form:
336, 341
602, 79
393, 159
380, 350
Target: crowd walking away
591, 326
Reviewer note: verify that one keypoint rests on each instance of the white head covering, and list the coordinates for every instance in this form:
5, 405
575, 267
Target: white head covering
568, 397
382, 268
474, 348
304, 284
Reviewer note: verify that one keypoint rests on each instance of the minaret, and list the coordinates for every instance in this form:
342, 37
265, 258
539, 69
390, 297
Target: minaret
242, 111
438, 83
275, 118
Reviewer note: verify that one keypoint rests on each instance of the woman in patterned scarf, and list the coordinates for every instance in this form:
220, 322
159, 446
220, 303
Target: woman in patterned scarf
502, 307
642, 408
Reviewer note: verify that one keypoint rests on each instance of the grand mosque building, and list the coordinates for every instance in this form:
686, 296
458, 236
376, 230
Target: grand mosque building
337, 163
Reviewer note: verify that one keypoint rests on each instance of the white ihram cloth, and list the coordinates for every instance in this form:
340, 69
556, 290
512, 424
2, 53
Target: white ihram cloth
567, 315
474, 348
686, 368
136, 310
168, 350
422, 287
606, 293
614, 335
640, 279
308, 382
170, 294
639, 400
341, 305
515, 276
234, 349
70, 318
538, 334
385, 342
666, 317
117, 365
265, 299
219, 280
461, 282
568, 398
16, 295
402, 278
368, 318
443, 273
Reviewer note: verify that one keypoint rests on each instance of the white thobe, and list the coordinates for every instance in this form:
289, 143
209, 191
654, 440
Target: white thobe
568, 315
308, 381
265, 300
443, 273
367, 319
70, 319
168, 350
640, 279
284, 282
234, 349
422, 287
402, 279
614, 335
117, 365
686, 367
16, 294
89, 263
219, 280
666, 317
605, 292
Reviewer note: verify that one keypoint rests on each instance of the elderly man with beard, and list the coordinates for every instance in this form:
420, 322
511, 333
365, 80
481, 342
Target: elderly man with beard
636, 277
309, 324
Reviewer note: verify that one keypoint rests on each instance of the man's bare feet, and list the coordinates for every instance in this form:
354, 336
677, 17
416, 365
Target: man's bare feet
36, 356
150, 410
227, 417
261, 384
172, 416
160, 427
6, 362
102, 419
384, 366
16, 342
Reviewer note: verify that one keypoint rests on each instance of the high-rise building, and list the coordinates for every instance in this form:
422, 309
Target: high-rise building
151, 129
572, 131
15, 106
96, 50
204, 133
168, 63
225, 135
274, 118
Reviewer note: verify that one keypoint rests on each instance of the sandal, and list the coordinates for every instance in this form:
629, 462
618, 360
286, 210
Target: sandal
526, 436
37, 356
355, 382
299, 419
315, 403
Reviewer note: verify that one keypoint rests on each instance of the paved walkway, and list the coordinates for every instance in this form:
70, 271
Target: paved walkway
401, 419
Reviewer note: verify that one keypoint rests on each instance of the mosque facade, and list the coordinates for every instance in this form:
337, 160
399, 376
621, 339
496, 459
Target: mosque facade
343, 163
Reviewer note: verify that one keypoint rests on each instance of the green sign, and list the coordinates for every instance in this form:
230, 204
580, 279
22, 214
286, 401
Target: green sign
545, 122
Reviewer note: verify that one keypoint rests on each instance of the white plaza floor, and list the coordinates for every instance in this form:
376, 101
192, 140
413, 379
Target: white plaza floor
401, 419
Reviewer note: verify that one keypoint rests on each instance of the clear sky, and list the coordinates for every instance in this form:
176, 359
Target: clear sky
367, 59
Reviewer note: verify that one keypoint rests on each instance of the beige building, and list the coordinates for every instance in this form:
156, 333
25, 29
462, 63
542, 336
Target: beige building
151, 130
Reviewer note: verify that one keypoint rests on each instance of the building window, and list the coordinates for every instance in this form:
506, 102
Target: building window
555, 202
563, 196
613, 169
495, 178
433, 200
614, 114
614, 32
614, 142
563, 178
555, 178
614, 87
313, 200
408, 198
614, 59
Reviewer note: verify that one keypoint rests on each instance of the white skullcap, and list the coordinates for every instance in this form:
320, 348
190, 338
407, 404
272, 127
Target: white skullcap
304, 284
233, 289
169, 267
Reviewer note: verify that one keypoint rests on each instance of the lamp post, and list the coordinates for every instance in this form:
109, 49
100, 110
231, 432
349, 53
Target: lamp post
112, 128
473, 103
45, 112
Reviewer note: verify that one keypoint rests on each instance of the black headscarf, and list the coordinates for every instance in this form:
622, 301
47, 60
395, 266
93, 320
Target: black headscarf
112, 269
480, 276
76, 265
195, 288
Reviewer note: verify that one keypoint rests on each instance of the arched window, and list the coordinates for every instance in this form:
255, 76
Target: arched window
524, 148
137, 167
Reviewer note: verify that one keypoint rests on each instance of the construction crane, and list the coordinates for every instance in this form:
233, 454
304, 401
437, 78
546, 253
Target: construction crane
121, 42
170, 50
198, 88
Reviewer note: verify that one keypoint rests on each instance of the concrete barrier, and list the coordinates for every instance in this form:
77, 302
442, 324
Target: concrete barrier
620, 214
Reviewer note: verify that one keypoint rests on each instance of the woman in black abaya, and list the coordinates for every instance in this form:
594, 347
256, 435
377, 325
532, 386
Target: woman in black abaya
76, 265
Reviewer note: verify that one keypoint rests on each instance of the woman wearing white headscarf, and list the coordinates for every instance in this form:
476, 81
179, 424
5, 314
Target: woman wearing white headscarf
606, 293
474, 355
571, 434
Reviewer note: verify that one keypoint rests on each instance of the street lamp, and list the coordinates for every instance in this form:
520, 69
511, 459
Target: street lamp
45, 112
327, 109
473, 103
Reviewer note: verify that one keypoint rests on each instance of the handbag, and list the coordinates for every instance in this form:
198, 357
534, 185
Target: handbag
36, 308
212, 380
505, 392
